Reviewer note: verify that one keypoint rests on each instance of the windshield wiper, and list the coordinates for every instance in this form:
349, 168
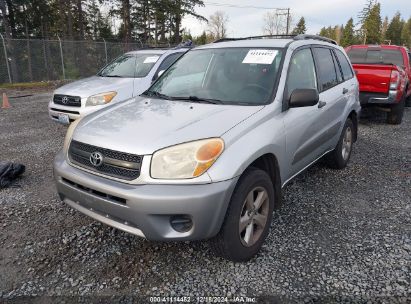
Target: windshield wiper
199, 99
111, 76
157, 94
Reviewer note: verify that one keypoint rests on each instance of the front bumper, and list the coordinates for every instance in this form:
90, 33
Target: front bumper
145, 210
72, 112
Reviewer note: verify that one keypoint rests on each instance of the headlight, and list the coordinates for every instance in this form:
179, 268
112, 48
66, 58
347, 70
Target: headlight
186, 160
69, 135
100, 99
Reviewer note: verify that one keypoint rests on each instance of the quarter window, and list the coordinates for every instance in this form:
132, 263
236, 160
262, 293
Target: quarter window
325, 67
301, 73
344, 64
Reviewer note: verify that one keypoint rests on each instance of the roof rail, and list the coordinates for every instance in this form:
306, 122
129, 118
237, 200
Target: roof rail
315, 37
255, 37
294, 37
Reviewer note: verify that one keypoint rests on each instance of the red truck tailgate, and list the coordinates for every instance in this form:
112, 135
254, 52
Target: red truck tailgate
374, 77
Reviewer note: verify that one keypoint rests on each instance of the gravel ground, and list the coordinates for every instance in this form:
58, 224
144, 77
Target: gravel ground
341, 236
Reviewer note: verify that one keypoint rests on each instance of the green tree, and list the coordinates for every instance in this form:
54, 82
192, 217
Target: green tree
406, 33
371, 24
202, 39
348, 34
300, 28
394, 29
384, 28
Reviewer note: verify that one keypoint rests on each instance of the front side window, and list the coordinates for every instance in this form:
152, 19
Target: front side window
130, 66
301, 73
325, 67
222, 75
167, 62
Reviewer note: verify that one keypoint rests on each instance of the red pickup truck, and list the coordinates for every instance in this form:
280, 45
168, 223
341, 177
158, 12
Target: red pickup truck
384, 74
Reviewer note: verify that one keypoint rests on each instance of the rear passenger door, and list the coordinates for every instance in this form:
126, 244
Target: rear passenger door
333, 99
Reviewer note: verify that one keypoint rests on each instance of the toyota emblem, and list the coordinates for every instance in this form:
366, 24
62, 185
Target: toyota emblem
96, 159
65, 100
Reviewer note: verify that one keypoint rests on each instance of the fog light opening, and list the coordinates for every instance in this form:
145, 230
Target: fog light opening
181, 223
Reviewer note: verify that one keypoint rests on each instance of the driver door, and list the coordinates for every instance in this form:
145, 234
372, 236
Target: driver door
302, 125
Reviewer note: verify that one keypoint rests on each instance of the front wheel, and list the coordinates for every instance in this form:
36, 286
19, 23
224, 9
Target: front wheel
248, 217
339, 157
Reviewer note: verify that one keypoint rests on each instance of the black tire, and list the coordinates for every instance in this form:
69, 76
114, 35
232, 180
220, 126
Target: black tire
408, 102
394, 117
229, 242
335, 158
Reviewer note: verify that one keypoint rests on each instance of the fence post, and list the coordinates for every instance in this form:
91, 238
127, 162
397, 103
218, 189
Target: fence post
105, 49
5, 57
62, 58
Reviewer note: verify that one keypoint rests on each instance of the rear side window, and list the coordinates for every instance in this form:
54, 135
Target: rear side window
327, 76
337, 68
344, 64
301, 73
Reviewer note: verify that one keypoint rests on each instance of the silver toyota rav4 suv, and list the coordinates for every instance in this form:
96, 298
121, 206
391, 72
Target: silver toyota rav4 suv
206, 150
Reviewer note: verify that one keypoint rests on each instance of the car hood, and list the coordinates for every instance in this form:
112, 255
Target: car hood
143, 125
95, 85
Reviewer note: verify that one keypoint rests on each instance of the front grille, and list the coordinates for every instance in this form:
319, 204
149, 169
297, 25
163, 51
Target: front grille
67, 100
116, 164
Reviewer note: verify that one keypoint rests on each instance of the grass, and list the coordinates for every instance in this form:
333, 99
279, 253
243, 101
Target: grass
25, 85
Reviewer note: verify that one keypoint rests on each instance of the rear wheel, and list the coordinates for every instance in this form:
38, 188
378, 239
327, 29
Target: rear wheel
408, 102
394, 117
248, 217
339, 157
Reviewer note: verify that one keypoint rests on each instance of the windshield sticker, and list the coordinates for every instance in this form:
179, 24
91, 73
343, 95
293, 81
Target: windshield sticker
151, 59
260, 56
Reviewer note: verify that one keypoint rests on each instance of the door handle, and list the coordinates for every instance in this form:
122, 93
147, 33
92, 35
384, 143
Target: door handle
345, 91
321, 104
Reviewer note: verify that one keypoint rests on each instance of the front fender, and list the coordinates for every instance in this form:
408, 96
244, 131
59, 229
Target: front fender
261, 134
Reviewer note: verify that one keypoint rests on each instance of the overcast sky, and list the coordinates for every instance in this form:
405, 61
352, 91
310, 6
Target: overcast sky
317, 13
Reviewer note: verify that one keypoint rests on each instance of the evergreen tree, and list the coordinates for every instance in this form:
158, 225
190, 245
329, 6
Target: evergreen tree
372, 25
348, 34
300, 27
394, 29
384, 28
406, 34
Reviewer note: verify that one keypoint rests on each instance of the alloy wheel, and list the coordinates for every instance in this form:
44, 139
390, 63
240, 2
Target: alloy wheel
347, 144
254, 215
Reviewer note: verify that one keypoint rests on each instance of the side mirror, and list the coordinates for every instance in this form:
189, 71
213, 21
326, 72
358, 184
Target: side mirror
304, 98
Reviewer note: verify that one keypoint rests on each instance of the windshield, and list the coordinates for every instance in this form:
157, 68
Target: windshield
227, 76
130, 66
382, 56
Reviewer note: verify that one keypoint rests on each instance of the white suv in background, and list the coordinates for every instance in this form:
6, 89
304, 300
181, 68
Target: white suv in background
127, 76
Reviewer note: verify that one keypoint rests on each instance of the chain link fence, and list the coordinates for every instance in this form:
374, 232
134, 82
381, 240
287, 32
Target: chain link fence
27, 60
